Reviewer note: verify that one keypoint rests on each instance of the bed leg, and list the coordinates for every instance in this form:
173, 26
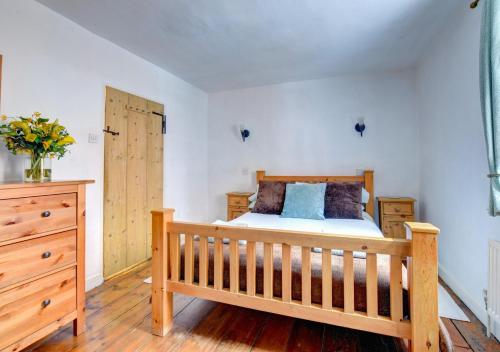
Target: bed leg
423, 286
162, 300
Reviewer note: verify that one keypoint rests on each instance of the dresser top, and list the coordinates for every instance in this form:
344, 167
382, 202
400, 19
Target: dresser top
21, 184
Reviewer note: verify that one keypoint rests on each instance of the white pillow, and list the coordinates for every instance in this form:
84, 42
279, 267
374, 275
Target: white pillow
253, 197
365, 196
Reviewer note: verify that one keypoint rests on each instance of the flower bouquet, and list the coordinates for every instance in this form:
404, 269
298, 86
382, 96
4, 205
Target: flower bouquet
39, 139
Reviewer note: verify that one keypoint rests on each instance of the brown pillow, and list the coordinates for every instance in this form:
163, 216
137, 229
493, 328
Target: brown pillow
270, 198
343, 201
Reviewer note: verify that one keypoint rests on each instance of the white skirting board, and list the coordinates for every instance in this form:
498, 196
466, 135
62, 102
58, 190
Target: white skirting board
93, 281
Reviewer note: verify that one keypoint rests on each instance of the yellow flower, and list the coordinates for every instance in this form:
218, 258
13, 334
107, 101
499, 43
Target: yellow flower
30, 137
37, 114
56, 129
21, 125
66, 140
46, 144
3, 117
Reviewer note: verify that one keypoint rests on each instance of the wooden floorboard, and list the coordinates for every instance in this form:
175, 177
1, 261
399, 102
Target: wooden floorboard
469, 336
119, 319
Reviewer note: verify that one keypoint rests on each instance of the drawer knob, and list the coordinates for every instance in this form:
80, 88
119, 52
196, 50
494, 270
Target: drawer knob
397, 210
45, 303
46, 255
46, 214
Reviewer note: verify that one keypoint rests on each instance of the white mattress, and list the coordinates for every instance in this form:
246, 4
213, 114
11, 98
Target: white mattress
365, 227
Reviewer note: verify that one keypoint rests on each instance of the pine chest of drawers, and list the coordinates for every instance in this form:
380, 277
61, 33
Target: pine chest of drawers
42, 260
393, 213
237, 204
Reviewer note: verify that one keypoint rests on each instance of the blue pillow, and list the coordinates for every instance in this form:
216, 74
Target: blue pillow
306, 201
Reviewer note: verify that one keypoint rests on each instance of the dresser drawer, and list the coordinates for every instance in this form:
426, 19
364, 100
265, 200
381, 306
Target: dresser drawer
238, 201
23, 217
398, 208
22, 260
30, 307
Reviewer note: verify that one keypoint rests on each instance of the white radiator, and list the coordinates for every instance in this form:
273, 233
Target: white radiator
494, 289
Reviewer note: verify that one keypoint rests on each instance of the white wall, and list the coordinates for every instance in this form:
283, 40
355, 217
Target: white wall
308, 128
454, 186
54, 66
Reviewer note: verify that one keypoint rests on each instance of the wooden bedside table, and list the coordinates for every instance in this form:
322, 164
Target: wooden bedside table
393, 212
237, 204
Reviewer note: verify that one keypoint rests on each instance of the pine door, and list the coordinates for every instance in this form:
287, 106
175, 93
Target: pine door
133, 178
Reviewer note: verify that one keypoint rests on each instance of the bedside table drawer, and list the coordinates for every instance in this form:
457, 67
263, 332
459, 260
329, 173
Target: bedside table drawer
22, 217
26, 259
401, 218
397, 208
235, 213
238, 201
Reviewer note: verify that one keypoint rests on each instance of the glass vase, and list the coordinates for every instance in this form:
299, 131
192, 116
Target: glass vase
37, 169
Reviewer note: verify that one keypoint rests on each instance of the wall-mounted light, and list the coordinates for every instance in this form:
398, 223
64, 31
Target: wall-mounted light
244, 133
360, 126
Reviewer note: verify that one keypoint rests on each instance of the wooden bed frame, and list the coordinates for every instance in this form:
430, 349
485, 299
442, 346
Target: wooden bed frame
420, 250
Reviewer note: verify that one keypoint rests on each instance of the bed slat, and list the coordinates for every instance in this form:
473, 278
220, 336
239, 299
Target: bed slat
396, 289
326, 278
306, 276
286, 273
218, 264
188, 259
371, 285
203, 261
268, 270
348, 282
251, 268
175, 257
234, 266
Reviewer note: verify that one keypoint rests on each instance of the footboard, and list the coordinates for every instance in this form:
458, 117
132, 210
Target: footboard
420, 250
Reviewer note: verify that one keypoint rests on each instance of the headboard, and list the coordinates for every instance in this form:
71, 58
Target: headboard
366, 179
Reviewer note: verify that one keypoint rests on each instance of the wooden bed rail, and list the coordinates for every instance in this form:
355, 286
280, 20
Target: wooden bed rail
421, 250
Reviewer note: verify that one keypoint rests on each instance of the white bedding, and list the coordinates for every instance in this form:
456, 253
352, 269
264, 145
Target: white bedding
365, 227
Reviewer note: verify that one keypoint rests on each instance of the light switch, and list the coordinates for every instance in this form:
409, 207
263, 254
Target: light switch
244, 171
93, 138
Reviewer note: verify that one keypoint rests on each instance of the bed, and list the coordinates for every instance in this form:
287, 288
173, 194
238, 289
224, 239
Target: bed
341, 272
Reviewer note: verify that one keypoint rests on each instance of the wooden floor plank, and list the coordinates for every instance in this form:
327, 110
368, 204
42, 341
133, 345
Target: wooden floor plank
103, 338
340, 339
242, 333
306, 336
210, 331
369, 342
184, 322
455, 335
274, 335
474, 333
